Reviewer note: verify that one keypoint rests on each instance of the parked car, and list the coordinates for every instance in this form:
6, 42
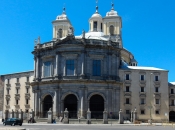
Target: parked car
13, 121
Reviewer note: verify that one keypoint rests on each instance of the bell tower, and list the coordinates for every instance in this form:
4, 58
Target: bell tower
61, 25
112, 23
96, 22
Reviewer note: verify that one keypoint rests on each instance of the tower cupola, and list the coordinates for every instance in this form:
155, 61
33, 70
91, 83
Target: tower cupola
112, 22
61, 25
96, 22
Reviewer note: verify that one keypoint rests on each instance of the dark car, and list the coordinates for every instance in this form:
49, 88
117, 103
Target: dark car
13, 121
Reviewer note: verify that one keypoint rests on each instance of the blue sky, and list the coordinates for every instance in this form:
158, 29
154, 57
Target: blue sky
148, 29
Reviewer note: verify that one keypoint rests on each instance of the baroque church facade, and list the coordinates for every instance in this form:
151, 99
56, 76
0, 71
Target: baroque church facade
91, 71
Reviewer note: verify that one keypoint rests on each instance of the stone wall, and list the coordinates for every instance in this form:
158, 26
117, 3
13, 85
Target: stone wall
1, 93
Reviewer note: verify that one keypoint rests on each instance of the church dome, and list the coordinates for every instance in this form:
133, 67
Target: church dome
112, 12
63, 16
96, 15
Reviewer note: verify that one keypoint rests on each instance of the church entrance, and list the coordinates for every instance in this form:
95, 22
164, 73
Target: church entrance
172, 116
70, 102
96, 106
47, 104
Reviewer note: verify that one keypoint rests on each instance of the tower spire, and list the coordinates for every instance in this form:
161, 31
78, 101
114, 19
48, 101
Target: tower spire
64, 9
112, 3
96, 6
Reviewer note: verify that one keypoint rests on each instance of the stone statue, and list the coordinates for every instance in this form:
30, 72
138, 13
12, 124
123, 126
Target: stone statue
70, 31
83, 34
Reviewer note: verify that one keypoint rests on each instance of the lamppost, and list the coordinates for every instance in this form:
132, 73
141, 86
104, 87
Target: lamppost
150, 118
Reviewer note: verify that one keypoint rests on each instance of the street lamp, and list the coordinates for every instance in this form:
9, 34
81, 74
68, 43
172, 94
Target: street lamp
150, 118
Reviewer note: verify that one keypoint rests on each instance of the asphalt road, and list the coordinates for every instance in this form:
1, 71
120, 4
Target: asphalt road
88, 127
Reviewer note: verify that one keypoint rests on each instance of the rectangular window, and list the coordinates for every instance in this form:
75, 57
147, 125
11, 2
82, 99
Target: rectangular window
17, 80
7, 102
142, 77
127, 111
95, 25
156, 78
156, 89
16, 91
7, 91
127, 100
172, 102
16, 102
142, 101
142, 112
127, 88
27, 101
157, 111
96, 67
47, 69
27, 78
27, 90
142, 89
172, 91
157, 101
127, 77
69, 67
8, 81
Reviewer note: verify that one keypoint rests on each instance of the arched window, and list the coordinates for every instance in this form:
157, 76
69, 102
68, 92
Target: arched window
59, 33
111, 30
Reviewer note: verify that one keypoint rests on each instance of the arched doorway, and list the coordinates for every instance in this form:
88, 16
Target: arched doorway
97, 106
47, 104
70, 102
172, 116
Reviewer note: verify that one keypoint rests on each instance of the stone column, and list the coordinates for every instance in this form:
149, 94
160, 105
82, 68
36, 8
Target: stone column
81, 101
56, 65
132, 116
88, 121
64, 68
82, 65
105, 117
21, 114
121, 117
36, 103
109, 65
50, 116
12, 114
66, 117
37, 67
55, 105
31, 113
34, 68
42, 75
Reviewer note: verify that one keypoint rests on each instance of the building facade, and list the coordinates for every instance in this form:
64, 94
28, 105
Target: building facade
91, 71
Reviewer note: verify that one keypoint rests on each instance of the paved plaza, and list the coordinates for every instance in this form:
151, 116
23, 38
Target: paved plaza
39, 126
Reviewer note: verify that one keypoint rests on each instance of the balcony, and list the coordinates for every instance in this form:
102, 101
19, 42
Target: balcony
17, 106
27, 95
128, 81
17, 96
143, 82
127, 105
8, 86
157, 106
17, 84
142, 94
127, 93
7, 106
8, 97
157, 94
27, 106
142, 105
27, 83
156, 82
172, 106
